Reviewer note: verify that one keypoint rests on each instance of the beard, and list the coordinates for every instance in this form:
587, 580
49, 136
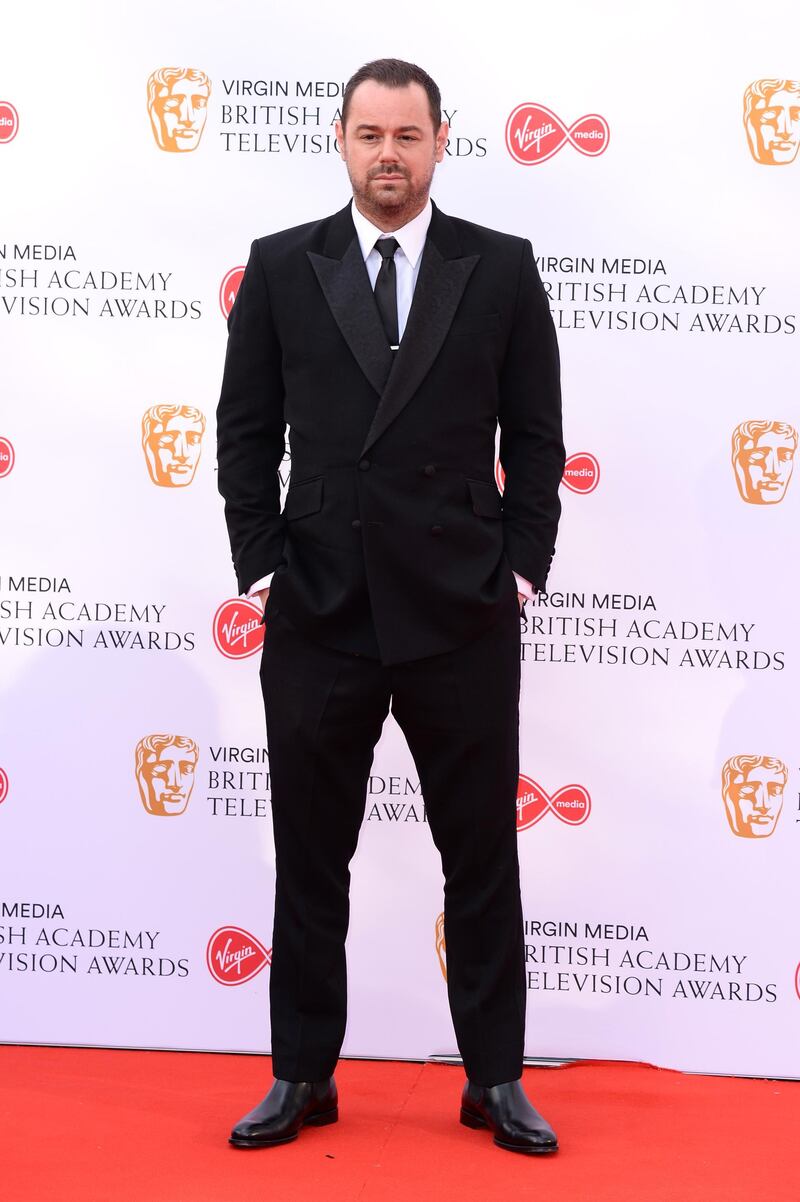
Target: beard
395, 204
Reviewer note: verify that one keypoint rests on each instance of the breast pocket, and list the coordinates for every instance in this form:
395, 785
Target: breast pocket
303, 499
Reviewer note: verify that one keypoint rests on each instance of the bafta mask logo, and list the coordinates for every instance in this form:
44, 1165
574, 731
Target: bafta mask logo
6, 457
752, 789
229, 288
763, 460
441, 950
9, 121
772, 120
172, 437
165, 772
234, 956
571, 804
177, 101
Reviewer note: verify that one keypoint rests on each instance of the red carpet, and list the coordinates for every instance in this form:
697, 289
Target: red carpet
82, 1125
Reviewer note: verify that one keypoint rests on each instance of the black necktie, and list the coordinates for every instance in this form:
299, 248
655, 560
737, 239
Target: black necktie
386, 289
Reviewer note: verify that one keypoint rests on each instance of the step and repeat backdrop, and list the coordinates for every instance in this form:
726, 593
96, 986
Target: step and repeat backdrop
653, 159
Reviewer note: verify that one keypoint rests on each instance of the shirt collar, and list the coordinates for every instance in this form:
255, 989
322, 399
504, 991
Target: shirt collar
410, 236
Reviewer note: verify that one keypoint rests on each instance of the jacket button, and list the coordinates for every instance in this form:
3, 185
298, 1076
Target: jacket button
356, 524
364, 465
429, 470
436, 529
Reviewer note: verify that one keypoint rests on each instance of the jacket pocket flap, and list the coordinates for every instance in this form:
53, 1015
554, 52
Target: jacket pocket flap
486, 500
303, 498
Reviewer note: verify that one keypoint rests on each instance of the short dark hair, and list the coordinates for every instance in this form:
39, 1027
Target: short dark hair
394, 73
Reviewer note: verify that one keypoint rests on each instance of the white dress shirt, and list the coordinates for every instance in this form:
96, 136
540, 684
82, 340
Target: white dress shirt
407, 258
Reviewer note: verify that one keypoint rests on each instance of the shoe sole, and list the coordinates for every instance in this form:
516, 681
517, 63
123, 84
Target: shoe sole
313, 1120
476, 1122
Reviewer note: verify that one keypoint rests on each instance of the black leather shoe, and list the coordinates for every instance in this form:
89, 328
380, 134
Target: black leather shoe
288, 1106
506, 1111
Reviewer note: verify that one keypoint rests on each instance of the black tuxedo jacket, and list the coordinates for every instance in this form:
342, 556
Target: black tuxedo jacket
394, 540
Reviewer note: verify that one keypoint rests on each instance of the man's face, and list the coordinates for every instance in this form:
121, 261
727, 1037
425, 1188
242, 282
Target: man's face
764, 467
174, 449
167, 779
180, 110
390, 149
754, 800
776, 121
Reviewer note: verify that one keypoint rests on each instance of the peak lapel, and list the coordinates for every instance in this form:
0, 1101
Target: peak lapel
440, 286
342, 275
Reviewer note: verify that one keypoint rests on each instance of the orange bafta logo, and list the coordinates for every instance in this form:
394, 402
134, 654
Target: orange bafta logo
441, 949
177, 101
571, 804
752, 790
772, 120
763, 460
165, 772
172, 437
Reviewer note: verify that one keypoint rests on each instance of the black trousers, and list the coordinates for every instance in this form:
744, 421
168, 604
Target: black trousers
459, 713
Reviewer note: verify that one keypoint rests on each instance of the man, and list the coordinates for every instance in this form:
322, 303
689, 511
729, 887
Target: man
392, 339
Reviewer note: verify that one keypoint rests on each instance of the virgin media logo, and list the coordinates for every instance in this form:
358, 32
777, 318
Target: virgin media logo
534, 134
228, 289
572, 804
797, 980
6, 457
234, 956
9, 121
3, 785
581, 472
237, 628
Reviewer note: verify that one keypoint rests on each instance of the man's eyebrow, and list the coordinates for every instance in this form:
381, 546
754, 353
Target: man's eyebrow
400, 128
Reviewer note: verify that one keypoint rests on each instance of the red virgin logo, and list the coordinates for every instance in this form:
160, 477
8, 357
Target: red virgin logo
534, 134
581, 472
6, 457
229, 288
9, 121
238, 629
234, 956
3, 785
797, 980
571, 805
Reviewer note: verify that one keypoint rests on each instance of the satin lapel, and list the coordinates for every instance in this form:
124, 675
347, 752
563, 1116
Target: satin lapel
440, 286
345, 283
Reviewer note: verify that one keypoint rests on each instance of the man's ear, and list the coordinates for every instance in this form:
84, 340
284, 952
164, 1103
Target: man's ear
441, 140
339, 128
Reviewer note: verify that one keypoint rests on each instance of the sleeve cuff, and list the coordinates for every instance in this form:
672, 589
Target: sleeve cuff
264, 582
525, 587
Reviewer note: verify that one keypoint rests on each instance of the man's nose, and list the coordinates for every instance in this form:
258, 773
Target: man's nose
389, 150
180, 448
784, 125
186, 112
771, 465
173, 777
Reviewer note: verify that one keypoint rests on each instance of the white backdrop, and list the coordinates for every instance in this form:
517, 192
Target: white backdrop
661, 915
